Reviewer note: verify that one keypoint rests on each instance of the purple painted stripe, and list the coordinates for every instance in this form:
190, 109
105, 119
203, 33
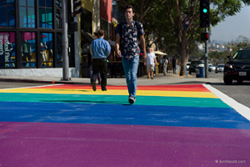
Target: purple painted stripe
77, 145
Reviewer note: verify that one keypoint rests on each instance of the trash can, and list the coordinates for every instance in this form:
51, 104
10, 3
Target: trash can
186, 71
199, 71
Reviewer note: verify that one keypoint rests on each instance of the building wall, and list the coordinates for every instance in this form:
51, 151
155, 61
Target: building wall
96, 16
88, 4
106, 10
106, 17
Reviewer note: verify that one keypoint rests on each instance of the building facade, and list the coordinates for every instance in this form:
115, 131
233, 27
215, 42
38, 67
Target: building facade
31, 38
97, 14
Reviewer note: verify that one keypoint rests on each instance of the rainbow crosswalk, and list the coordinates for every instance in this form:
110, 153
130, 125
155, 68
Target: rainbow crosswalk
71, 125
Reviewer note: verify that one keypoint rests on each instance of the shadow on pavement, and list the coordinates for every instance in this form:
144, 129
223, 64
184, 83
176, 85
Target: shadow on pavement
87, 101
193, 82
233, 84
219, 83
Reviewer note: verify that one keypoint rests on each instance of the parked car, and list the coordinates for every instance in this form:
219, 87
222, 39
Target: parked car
219, 68
238, 67
211, 67
193, 65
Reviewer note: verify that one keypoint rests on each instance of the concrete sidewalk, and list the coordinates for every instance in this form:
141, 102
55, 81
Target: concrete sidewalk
159, 79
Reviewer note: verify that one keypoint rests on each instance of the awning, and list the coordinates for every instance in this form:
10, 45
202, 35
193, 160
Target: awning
159, 53
88, 36
112, 43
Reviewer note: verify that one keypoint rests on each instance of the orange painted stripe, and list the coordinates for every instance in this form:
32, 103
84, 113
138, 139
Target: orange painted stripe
199, 88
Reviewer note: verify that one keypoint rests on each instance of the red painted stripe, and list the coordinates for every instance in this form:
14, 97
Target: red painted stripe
199, 88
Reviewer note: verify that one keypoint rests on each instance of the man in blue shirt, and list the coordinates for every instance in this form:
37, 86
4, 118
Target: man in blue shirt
127, 35
99, 50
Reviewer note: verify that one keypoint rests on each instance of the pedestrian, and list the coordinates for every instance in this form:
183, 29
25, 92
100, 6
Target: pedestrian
91, 70
165, 65
150, 63
99, 50
174, 65
127, 35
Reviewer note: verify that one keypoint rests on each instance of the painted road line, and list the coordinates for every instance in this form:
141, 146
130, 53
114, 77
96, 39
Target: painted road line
29, 87
122, 115
114, 92
116, 99
101, 128
192, 88
241, 109
77, 145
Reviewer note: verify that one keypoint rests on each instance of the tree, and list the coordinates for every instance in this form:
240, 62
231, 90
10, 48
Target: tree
180, 29
186, 11
142, 7
145, 12
196, 53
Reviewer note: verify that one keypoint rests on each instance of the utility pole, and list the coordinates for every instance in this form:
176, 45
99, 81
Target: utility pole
206, 55
65, 41
205, 23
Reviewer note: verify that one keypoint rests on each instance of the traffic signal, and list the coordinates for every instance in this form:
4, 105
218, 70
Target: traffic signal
204, 36
77, 7
204, 13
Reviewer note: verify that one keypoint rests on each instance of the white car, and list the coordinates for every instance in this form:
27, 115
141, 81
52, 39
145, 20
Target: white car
211, 67
219, 68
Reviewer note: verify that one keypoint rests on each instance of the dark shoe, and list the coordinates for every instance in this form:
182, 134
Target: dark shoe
93, 86
131, 100
152, 78
104, 89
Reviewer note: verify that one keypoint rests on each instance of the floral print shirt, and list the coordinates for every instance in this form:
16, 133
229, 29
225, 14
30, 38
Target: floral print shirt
129, 36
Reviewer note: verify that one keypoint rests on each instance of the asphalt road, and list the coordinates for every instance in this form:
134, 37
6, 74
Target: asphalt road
239, 92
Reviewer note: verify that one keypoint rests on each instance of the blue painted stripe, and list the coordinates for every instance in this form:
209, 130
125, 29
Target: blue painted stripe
122, 114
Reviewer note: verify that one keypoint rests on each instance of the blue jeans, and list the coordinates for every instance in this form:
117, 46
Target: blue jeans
130, 69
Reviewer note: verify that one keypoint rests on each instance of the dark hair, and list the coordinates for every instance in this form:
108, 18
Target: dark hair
130, 7
100, 33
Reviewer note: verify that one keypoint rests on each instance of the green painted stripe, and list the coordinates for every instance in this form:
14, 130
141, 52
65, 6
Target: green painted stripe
113, 99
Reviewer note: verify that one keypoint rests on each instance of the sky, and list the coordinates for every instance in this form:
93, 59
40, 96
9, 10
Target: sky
232, 27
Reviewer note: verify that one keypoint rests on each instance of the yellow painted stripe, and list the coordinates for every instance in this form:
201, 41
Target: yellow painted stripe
114, 92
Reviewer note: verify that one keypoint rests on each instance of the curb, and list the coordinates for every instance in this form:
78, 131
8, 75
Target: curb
40, 81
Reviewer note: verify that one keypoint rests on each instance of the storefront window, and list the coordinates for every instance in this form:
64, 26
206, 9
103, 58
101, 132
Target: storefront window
26, 2
45, 14
7, 49
27, 13
46, 49
58, 13
59, 58
28, 49
7, 13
